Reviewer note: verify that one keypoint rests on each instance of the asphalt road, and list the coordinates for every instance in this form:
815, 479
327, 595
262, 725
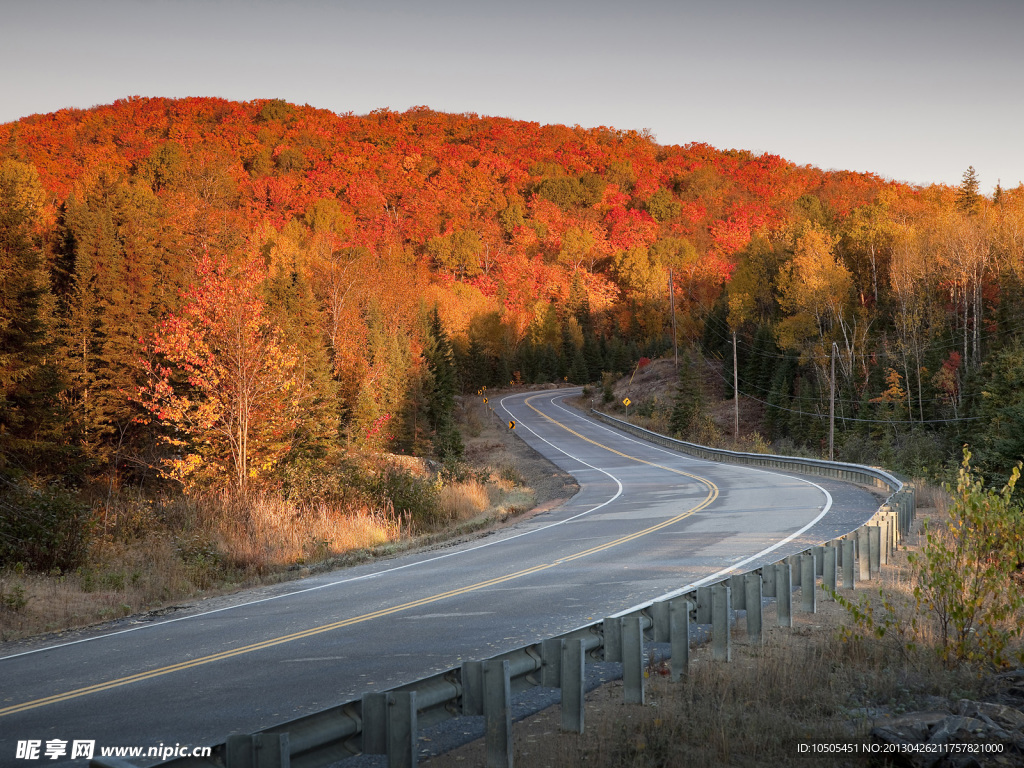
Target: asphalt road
646, 522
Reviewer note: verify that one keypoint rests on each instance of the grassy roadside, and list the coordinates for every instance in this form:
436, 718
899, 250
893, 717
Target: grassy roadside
147, 555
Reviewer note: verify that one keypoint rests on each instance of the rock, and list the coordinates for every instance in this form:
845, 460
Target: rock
1005, 716
957, 728
937, 704
915, 726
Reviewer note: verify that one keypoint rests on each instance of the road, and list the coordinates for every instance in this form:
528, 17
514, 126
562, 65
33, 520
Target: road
646, 522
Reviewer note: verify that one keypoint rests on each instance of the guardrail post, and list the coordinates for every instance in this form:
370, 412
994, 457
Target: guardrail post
884, 536
472, 688
807, 595
402, 729
819, 560
497, 714
863, 553
573, 660
551, 662
612, 638
768, 579
784, 594
874, 549
660, 631
679, 618
633, 659
752, 587
374, 714
721, 617
703, 605
257, 750
739, 593
830, 569
793, 561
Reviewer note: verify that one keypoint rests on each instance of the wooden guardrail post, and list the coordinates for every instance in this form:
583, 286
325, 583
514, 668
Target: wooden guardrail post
402, 729
572, 684
863, 553
752, 586
768, 579
704, 609
497, 714
721, 618
849, 561
830, 570
633, 659
784, 594
679, 619
257, 750
612, 627
374, 714
807, 595
874, 549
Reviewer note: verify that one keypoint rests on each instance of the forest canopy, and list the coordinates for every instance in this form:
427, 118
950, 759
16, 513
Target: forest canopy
218, 292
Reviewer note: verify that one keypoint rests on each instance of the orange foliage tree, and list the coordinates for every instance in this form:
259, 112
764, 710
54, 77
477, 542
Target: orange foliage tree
221, 377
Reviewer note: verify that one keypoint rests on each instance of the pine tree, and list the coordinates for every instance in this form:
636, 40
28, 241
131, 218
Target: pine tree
689, 399
967, 198
440, 396
28, 379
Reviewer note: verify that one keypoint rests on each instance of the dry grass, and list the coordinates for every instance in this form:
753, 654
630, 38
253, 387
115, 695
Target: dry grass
465, 500
149, 553
146, 556
266, 531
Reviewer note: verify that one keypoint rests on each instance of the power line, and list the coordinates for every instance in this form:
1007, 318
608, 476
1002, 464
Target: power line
852, 418
937, 345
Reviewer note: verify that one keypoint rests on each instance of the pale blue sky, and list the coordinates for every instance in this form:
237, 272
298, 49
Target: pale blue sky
914, 90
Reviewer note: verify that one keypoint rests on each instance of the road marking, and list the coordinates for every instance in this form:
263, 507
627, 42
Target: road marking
698, 478
203, 660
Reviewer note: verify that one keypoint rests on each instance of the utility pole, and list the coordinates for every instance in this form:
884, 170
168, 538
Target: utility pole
672, 304
735, 390
832, 410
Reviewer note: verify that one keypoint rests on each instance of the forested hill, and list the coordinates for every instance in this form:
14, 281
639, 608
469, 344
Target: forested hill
227, 290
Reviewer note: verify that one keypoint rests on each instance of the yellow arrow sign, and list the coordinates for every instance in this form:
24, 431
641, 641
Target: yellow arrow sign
485, 399
626, 401
511, 425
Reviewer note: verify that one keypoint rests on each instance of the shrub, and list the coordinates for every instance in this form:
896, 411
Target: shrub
47, 530
970, 571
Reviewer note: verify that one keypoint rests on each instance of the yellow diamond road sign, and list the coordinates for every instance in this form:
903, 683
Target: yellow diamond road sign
626, 401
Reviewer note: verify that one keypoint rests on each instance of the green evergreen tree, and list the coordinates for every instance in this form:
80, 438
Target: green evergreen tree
968, 199
29, 382
689, 399
440, 397
1000, 444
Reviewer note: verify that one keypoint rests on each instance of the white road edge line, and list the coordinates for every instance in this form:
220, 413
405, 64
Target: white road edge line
734, 566
364, 577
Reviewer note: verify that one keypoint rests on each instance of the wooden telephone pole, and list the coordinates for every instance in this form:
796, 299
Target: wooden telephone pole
832, 410
672, 304
735, 390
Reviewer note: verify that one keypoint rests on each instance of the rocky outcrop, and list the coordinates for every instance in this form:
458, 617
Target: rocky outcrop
958, 734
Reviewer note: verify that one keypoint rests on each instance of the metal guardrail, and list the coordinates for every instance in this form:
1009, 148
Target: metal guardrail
387, 722
856, 473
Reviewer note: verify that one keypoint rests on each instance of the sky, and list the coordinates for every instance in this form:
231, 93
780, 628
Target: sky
912, 90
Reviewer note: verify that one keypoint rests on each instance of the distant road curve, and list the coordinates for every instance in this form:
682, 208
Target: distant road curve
646, 522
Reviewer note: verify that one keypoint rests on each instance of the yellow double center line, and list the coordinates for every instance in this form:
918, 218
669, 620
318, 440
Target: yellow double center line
183, 665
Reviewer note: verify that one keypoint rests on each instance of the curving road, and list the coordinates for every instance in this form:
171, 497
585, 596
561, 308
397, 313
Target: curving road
646, 522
